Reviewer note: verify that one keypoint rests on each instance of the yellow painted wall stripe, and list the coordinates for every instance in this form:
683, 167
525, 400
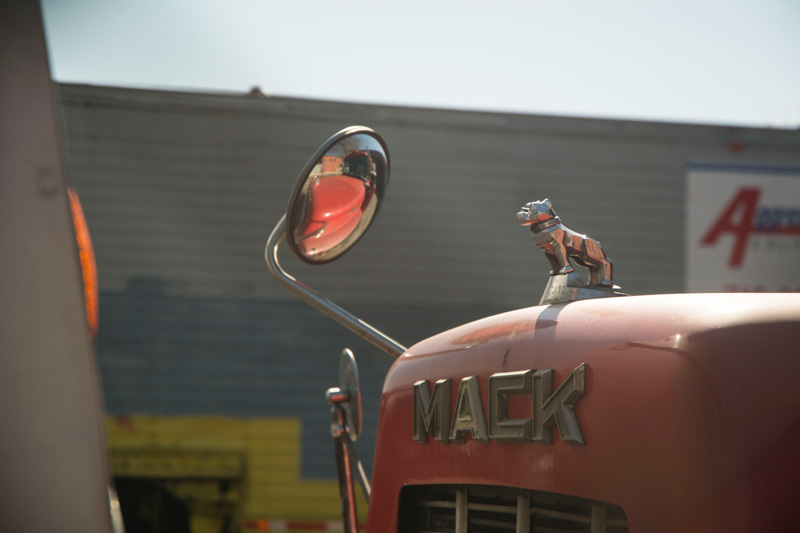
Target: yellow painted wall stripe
260, 455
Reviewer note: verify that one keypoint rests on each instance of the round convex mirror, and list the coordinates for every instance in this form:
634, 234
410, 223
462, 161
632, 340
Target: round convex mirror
337, 195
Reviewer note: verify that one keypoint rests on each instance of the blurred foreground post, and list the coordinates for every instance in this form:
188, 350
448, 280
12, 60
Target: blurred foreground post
53, 463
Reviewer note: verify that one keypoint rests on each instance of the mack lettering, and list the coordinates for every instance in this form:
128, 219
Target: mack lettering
432, 408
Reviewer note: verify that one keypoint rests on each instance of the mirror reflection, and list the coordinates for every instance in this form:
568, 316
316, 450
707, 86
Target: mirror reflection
338, 198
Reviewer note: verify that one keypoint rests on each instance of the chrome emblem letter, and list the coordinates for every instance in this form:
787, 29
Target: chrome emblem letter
557, 408
469, 413
432, 411
501, 386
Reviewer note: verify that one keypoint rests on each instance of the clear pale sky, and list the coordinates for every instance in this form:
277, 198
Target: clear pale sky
731, 62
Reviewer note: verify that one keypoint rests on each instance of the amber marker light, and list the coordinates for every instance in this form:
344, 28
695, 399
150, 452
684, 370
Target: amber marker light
87, 261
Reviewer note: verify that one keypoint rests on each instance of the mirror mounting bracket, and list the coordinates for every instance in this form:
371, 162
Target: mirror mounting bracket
319, 302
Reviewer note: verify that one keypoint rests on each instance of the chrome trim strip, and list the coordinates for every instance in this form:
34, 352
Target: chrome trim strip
462, 518
523, 511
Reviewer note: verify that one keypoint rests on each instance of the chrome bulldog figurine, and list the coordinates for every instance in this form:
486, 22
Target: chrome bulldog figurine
560, 243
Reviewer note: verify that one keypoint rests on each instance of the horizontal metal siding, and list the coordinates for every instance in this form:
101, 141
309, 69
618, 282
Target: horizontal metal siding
181, 191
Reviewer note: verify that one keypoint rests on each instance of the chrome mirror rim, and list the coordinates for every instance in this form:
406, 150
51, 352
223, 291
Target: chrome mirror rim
350, 382
302, 178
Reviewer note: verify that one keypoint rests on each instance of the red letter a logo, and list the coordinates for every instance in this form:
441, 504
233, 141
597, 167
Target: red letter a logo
742, 207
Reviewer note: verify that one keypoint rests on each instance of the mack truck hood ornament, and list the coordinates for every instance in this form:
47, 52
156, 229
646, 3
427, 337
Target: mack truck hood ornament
560, 244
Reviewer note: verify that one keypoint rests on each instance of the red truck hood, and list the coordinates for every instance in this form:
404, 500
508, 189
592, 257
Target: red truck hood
690, 415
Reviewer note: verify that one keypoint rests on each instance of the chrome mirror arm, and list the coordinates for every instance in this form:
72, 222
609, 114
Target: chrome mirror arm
330, 309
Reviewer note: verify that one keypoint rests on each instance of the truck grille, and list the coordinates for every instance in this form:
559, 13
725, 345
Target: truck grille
484, 508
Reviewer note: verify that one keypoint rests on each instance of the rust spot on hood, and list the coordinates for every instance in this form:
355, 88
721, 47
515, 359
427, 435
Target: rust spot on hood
497, 331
